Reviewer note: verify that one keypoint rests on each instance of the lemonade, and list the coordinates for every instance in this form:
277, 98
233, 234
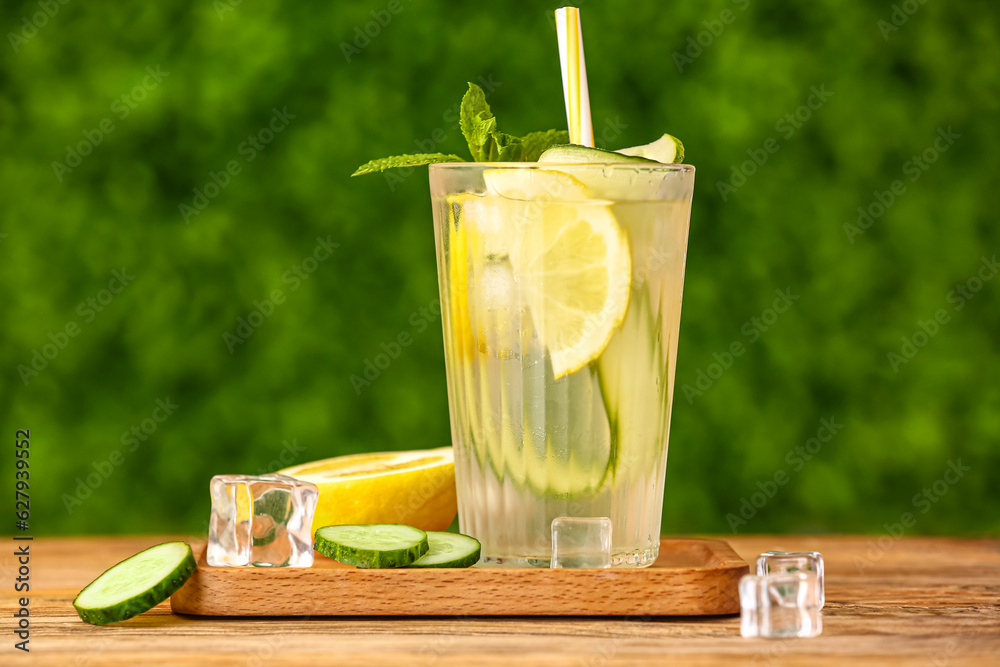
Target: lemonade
560, 269
561, 292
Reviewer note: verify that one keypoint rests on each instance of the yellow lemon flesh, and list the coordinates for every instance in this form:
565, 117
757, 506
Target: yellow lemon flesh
416, 488
458, 280
571, 261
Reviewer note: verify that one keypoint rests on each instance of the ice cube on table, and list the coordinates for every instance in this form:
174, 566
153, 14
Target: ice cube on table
579, 542
263, 520
780, 605
771, 562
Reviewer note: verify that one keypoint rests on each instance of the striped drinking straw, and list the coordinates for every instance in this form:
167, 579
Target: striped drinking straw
574, 76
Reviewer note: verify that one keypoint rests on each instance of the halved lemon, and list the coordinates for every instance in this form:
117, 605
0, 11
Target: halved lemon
416, 488
570, 259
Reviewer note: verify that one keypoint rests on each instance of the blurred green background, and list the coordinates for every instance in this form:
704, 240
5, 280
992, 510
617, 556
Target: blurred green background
141, 103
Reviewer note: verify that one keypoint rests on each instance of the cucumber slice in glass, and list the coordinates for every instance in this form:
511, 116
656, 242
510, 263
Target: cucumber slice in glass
637, 412
668, 149
571, 462
608, 175
380, 545
136, 584
449, 550
576, 154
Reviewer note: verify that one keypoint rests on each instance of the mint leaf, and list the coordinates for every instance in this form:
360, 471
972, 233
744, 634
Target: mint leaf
481, 141
475, 120
479, 126
416, 160
505, 148
536, 143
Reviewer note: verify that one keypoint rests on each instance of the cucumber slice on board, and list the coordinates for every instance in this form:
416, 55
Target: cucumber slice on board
136, 584
380, 545
449, 550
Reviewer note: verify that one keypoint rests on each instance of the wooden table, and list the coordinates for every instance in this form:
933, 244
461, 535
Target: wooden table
923, 601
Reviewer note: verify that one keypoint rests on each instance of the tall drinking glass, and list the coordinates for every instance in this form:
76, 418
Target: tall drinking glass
561, 298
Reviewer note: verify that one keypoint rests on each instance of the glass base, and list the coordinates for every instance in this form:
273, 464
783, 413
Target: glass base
635, 559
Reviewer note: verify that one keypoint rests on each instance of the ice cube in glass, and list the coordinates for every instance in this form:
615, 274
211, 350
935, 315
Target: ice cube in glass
579, 542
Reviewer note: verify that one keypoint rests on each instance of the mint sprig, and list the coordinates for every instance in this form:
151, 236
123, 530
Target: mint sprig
486, 142
396, 161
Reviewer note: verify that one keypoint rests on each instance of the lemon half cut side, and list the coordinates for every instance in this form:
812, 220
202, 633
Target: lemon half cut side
416, 488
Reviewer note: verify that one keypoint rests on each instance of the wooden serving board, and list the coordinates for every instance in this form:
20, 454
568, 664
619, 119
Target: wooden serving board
690, 578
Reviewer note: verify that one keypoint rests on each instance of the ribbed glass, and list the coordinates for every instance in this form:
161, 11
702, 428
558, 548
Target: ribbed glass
530, 447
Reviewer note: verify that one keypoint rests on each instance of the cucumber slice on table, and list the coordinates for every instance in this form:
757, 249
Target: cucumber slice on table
136, 584
372, 546
449, 550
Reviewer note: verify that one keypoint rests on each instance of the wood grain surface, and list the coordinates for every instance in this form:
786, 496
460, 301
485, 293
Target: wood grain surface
930, 602
691, 577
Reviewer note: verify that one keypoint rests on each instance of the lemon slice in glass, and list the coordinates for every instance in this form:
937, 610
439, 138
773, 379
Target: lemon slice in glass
570, 259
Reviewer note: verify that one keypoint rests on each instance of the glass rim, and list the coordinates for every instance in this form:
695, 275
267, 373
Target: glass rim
641, 166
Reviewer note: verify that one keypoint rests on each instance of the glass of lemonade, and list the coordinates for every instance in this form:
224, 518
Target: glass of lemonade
561, 297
